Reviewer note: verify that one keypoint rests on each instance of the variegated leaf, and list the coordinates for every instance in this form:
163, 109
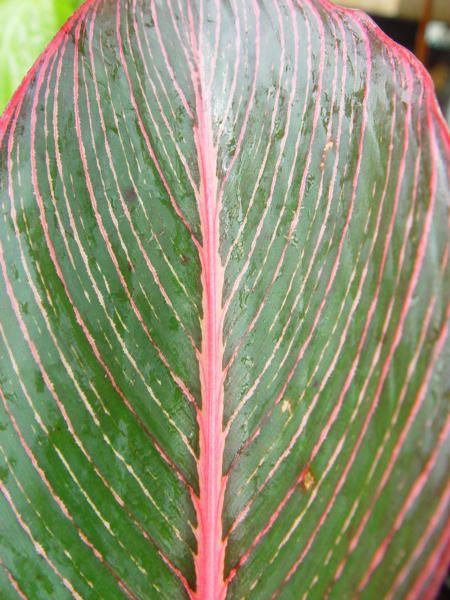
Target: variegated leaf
224, 250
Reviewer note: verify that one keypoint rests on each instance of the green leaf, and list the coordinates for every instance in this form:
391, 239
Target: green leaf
224, 252
27, 27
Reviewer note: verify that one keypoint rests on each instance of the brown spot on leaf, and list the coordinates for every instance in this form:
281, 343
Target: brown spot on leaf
328, 146
286, 406
130, 195
309, 480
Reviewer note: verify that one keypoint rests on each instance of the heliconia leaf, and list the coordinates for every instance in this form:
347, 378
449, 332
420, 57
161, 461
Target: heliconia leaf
224, 251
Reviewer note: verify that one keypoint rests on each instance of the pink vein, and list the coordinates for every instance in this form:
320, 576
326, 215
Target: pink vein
39, 549
209, 562
25, 332
57, 499
416, 489
429, 568
320, 309
77, 313
421, 249
105, 236
13, 582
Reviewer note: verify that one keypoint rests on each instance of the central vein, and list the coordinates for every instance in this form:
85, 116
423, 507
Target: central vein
211, 550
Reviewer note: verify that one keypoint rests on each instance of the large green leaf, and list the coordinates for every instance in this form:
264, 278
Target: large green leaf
224, 254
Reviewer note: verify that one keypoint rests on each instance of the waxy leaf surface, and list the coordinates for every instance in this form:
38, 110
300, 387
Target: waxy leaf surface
224, 248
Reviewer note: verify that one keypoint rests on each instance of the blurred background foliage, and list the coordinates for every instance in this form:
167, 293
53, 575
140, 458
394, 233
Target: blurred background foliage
26, 27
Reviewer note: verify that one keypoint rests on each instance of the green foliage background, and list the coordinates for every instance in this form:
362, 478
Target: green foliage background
27, 26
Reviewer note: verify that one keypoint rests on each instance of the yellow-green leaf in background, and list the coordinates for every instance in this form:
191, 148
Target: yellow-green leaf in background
27, 26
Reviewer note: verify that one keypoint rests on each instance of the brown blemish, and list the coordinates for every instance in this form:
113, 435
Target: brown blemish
130, 195
286, 406
308, 481
328, 146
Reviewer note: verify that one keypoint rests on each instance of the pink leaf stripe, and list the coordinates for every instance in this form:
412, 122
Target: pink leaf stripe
224, 251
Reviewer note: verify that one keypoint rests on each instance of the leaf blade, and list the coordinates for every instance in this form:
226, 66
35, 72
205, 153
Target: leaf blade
238, 265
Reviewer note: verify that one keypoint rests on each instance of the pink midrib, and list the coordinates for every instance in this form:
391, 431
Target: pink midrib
209, 560
210, 556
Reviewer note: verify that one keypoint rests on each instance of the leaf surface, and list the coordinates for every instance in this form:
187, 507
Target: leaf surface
224, 253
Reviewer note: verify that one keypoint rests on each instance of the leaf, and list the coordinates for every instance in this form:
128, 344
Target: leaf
224, 252
27, 27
